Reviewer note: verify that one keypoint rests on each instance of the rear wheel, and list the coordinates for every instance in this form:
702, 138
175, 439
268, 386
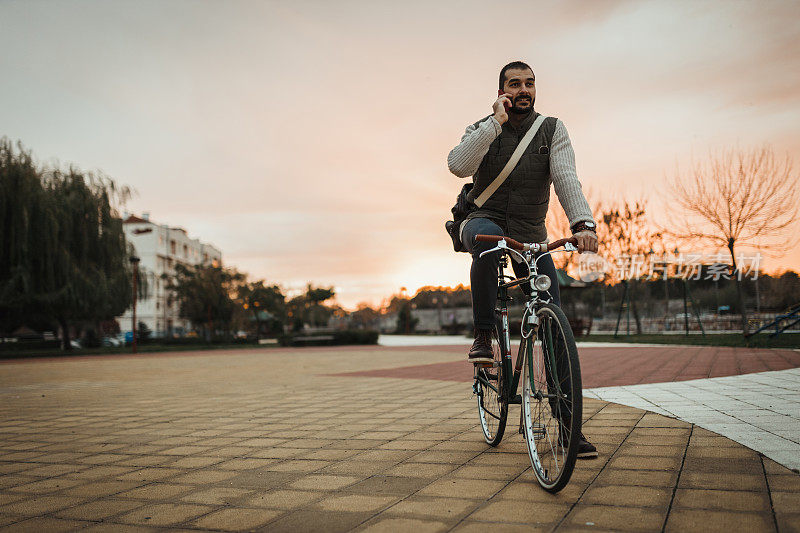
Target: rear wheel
489, 387
552, 401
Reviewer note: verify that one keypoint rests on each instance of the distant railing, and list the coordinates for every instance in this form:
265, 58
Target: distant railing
677, 324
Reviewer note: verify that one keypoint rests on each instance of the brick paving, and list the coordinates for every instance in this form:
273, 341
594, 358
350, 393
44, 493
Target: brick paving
271, 440
623, 365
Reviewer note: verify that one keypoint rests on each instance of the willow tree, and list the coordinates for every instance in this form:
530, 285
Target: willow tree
96, 283
737, 198
64, 253
30, 262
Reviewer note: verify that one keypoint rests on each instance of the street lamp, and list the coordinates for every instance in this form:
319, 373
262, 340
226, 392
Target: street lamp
135, 262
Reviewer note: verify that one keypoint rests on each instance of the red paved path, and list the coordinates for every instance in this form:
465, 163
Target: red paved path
605, 367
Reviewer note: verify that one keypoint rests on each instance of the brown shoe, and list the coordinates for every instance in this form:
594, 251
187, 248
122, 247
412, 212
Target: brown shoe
481, 351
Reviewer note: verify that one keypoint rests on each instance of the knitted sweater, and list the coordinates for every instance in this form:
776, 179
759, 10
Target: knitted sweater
464, 160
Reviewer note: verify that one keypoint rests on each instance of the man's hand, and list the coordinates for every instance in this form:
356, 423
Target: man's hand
587, 241
501, 106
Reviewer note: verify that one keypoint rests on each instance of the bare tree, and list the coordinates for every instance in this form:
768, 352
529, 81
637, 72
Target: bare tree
558, 226
628, 241
736, 197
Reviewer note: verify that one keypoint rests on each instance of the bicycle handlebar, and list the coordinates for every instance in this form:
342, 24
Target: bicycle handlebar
536, 247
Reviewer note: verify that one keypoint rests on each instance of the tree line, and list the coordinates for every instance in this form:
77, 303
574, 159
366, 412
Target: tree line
64, 259
221, 301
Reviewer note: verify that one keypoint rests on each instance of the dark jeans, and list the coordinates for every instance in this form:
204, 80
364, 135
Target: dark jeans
483, 274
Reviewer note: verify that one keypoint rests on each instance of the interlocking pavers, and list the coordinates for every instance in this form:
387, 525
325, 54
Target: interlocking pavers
393, 456
788, 522
217, 495
722, 481
434, 508
46, 485
356, 502
729, 500
204, 477
99, 509
149, 474
514, 511
156, 491
463, 488
40, 505
390, 525
619, 518
240, 519
247, 463
99, 472
425, 470
284, 499
9, 497
638, 477
641, 496
100, 488
489, 472
481, 527
54, 525
294, 451
389, 485
165, 514
718, 521
356, 468
10, 468
307, 520
323, 482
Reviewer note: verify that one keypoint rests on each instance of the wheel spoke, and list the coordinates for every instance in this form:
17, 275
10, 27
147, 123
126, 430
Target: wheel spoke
492, 410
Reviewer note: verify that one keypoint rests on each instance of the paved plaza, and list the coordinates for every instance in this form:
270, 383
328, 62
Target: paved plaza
367, 439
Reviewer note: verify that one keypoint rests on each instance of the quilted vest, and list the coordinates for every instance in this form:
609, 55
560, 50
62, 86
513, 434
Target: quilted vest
519, 205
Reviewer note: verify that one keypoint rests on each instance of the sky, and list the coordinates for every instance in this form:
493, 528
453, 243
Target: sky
308, 140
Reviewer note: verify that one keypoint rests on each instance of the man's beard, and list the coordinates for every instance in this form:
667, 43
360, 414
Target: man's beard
522, 111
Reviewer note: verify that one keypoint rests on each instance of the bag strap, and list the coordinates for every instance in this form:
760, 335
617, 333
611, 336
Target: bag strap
515, 157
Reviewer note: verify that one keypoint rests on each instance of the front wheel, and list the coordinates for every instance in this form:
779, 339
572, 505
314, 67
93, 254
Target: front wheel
489, 387
552, 400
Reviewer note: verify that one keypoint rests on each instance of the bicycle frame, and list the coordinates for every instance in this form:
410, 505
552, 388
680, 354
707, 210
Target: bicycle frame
550, 414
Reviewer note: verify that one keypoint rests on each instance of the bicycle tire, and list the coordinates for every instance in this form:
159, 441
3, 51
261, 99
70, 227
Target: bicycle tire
552, 423
490, 387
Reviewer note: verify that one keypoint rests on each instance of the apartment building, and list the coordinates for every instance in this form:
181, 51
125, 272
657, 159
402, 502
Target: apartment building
160, 247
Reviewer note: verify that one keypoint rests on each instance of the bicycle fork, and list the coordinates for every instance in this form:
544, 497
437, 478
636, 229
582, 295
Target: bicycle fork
527, 359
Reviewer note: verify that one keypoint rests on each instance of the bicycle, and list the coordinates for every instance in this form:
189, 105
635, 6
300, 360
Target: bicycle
547, 364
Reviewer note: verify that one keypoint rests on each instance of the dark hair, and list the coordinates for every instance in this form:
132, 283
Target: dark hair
515, 65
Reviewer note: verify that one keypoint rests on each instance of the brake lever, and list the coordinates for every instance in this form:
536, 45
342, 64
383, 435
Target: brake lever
495, 249
569, 247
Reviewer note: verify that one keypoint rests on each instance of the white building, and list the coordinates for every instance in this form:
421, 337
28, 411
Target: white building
160, 247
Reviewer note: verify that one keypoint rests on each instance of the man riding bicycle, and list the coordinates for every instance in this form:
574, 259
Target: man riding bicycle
518, 207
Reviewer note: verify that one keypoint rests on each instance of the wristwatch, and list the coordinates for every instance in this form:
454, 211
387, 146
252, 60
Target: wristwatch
584, 225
